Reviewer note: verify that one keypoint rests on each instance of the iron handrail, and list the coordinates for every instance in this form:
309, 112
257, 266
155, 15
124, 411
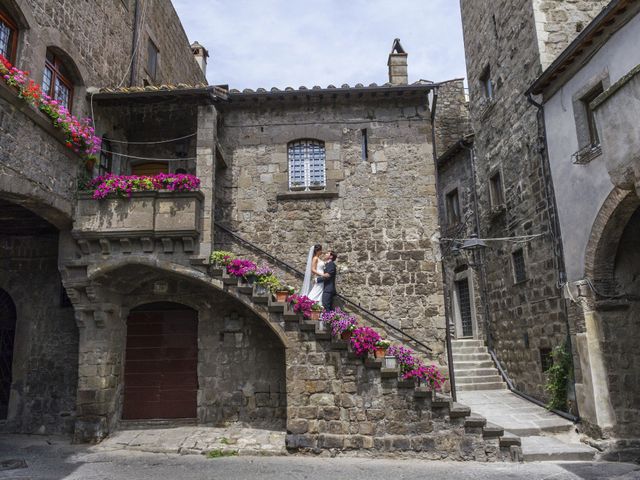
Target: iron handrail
301, 275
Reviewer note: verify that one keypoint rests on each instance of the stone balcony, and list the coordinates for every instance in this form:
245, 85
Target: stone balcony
148, 222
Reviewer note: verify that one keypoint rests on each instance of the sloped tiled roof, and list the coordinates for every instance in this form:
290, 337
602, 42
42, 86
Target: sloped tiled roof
420, 84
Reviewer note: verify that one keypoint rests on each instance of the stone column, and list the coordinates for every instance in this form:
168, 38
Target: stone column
205, 170
100, 370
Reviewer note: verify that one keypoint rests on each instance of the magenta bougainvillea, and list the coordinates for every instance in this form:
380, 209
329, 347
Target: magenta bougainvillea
241, 268
301, 304
124, 185
80, 135
363, 340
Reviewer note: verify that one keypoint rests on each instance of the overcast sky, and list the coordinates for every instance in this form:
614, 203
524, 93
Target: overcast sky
280, 43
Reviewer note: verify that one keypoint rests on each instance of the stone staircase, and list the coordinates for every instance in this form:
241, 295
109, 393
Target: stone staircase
474, 367
373, 409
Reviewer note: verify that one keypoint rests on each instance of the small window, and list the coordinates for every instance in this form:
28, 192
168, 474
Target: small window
519, 271
594, 139
365, 145
306, 165
56, 81
496, 193
8, 37
152, 59
486, 84
453, 207
106, 157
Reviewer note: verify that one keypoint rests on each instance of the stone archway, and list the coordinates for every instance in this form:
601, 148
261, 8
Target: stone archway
612, 265
240, 355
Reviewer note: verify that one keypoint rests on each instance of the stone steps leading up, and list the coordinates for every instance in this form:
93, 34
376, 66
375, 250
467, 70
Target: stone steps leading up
454, 413
474, 372
482, 386
550, 449
474, 367
478, 379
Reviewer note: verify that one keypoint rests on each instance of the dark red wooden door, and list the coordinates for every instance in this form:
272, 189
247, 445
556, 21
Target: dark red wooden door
161, 379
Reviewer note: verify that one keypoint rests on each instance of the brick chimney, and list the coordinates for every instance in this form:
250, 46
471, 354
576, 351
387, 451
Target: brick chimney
200, 54
398, 64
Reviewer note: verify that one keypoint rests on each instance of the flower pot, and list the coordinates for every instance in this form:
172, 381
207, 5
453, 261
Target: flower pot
380, 352
322, 326
315, 315
89, 163
261, 290
390, 361
281, 296
346, 335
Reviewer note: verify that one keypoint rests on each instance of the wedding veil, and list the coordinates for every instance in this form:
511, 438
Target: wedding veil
306, 284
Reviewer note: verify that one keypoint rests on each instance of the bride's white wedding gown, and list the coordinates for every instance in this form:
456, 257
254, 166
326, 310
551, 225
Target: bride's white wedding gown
316, 290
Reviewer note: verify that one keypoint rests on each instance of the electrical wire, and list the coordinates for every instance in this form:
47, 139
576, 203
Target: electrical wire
516, 239
153, 143
148, 158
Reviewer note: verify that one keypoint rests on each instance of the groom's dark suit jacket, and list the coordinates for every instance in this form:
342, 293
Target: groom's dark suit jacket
330, 282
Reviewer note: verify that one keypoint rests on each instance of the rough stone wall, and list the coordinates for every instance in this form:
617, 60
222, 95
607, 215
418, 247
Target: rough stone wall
242, 369
527, 316
382, 220
558, 22
45, 359
336, 403
452, 115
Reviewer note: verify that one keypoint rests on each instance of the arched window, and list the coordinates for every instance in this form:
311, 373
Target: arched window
57, 80
306, 165
8, 37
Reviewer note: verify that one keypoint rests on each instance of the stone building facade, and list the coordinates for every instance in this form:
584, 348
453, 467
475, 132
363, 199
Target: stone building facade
593, 145
141, 326
507, 45
38, 183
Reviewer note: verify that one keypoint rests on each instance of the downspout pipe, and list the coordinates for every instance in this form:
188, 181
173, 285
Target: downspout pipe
452, 377
554, 223
136, 35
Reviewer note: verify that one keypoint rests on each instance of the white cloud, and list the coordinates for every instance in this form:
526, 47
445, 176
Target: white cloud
265, 43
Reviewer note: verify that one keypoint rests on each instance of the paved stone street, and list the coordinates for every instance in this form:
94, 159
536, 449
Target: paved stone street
52, 458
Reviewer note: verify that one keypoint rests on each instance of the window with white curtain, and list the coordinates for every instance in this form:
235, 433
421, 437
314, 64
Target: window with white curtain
306, 165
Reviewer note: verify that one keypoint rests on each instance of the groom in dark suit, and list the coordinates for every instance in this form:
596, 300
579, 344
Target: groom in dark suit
329, 280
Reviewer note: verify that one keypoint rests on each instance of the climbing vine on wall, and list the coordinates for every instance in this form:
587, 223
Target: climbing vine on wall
558, 376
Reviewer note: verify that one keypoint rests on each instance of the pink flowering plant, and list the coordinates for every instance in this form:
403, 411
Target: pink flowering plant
124, 185
239, 267
364, 340
429, 374
405, 357
301, 304
79, 133
339, 321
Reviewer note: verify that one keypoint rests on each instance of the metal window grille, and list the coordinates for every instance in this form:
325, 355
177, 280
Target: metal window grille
519, 270
5, 40
46, 81
306, 164
464, 304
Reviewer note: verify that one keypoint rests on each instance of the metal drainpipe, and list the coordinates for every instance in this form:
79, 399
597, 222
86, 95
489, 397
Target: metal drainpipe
452, 377
136, 34
558, 251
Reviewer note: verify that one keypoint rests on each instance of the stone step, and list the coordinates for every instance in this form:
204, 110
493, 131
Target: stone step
491, 430
465, 350
462, 365
481, 386
475, 421
468, 357
467, 343
509, 439
475, 372
458, 410
540, 449
495, 378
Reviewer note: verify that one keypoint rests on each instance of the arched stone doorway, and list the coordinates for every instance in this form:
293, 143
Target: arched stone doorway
613, 269
7, 337
42, 374
161, 362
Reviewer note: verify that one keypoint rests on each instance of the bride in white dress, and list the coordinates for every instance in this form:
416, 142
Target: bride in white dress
315, 268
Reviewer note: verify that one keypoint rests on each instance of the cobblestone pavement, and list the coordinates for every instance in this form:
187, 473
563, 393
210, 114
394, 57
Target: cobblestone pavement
198, 440
25, 457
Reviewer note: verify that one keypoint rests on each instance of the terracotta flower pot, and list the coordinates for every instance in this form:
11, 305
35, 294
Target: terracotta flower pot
89, 163
281, 296
380, 352
346, 335
315, 315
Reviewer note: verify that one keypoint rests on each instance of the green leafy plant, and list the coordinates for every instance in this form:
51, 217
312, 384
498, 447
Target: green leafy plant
221, 257
558, 376
269, 281
218, 453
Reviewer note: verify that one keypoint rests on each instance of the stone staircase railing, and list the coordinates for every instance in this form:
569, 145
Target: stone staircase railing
362, 404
